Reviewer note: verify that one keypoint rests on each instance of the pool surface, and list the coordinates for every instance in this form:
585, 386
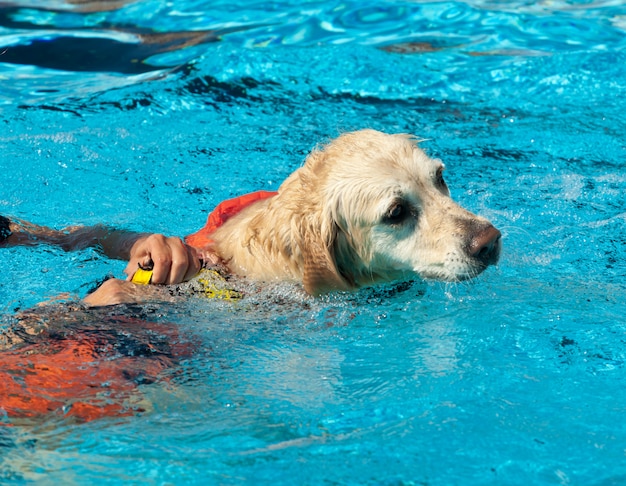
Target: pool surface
145, 115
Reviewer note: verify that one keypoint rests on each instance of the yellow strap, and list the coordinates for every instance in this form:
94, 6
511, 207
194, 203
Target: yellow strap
142, 277
212, 291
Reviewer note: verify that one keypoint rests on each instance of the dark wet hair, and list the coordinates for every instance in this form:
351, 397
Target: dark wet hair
5, 230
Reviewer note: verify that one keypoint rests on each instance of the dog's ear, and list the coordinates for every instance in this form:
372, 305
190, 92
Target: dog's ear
318, 229
320, 268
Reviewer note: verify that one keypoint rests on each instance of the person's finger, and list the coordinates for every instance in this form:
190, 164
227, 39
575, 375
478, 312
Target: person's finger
160, 254
178, 261
185, 264
161, 267
195, 264
145, 263
146, 254
209, 257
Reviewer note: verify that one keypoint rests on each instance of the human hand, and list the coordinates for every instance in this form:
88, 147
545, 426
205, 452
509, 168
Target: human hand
169, 258
115, 291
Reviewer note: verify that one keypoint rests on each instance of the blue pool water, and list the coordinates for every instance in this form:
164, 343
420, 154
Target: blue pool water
145, 115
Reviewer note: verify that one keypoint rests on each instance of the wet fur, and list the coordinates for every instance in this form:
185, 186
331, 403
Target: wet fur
328, 226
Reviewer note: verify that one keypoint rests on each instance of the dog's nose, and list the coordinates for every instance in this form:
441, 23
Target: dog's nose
485, 245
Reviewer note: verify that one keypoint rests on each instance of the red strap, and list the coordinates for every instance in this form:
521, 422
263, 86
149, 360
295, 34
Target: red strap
222, 213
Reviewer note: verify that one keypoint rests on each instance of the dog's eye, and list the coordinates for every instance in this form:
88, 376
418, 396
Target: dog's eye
397, 213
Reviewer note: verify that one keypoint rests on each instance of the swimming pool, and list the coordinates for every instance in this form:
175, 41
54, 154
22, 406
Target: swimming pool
148, 114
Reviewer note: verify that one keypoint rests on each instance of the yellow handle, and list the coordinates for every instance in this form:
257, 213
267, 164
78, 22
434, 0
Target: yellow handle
142, 277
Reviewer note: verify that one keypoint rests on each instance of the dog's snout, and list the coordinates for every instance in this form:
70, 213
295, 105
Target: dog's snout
484, 245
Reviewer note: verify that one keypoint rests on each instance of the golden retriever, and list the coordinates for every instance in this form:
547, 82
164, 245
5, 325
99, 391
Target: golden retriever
367, 208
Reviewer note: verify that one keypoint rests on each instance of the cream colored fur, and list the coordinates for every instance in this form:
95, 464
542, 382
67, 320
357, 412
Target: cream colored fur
332, 224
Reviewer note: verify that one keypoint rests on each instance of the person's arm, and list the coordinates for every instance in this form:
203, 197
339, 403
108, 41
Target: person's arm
169, 258
112, 242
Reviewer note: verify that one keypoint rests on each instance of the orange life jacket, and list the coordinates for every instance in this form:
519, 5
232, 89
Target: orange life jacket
86, 374
222, 213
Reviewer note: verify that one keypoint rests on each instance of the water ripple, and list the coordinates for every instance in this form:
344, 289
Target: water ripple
53, 53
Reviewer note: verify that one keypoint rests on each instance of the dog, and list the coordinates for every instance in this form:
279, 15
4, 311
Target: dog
367, 208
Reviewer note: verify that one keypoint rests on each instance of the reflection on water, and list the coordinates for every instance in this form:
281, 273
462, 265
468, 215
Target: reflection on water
119, 53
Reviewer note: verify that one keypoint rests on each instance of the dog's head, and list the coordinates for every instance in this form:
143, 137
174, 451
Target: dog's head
374, 207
